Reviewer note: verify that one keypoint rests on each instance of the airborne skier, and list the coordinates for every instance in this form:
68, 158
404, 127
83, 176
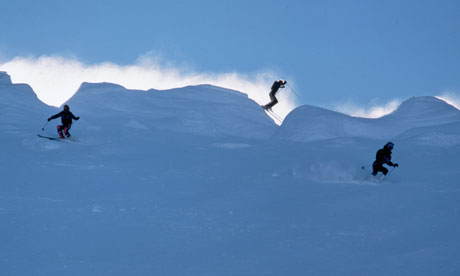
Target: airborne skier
66, 119
275, 87
383, 156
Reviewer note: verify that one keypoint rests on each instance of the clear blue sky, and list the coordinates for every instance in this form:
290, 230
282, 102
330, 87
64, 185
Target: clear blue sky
333, 50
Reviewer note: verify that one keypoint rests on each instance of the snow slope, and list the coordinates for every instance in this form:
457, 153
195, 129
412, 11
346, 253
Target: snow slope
191, 182
308, 123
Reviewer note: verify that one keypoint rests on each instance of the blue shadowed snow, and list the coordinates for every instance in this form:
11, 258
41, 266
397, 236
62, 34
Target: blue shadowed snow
199, 181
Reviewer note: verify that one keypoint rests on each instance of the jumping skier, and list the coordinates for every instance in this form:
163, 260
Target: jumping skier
275, 87
66, 119
383, 156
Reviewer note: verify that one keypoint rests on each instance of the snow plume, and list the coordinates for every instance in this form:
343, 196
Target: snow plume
451, 98
55, 78
373, 110
330, 171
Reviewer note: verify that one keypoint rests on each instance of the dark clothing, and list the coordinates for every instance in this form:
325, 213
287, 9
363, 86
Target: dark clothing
62, 129
273, 99
275, 87
66, 117
379, 168
383, 156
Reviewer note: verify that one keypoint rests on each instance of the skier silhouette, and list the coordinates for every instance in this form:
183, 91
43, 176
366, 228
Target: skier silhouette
383, 156
66, 119
275, 87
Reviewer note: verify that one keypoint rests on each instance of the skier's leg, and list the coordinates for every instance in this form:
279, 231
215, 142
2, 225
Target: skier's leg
273, 99
66, 130
384, 170
375, 170
59, 130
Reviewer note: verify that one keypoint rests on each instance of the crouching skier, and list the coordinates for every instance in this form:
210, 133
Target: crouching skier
273, 100
383, 156
66, 119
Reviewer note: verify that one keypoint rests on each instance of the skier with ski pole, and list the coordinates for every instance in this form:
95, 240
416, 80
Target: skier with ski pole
383, 156
275, 87
292, 89
43, 128
66, 119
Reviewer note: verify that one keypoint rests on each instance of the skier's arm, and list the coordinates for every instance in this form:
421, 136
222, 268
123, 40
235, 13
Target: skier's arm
388, 161
392, 164
73, 116
55, 116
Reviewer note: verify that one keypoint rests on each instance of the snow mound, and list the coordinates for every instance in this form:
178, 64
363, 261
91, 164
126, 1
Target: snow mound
20, 108
5, 79
308, 123
202, 110
424, 111
17, 95
445, 135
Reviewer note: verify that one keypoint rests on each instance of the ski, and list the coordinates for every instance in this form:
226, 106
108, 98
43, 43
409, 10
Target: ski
276, 116
273, 114
51, 138
54, 138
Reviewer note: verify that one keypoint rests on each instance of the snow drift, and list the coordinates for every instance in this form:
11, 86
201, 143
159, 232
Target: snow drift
427, 114
200, 110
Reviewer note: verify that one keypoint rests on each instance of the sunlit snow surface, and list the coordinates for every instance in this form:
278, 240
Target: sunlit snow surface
199, 181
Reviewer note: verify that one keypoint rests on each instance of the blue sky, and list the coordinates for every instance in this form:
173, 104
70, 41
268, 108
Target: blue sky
332, 51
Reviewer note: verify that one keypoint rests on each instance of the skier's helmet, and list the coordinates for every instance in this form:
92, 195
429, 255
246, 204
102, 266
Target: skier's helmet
390, 145
66, 107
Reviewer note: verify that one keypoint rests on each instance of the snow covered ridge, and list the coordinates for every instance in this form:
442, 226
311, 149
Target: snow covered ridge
203, 110
108, 109
207, 110
20, 109
427, 120
17, 95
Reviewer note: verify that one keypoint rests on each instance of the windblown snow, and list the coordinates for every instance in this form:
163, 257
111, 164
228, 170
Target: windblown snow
200, 181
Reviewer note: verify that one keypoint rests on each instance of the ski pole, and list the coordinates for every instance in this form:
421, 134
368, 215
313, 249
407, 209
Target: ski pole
277, 117
363, 167
43, 128
390, 172
293, 90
